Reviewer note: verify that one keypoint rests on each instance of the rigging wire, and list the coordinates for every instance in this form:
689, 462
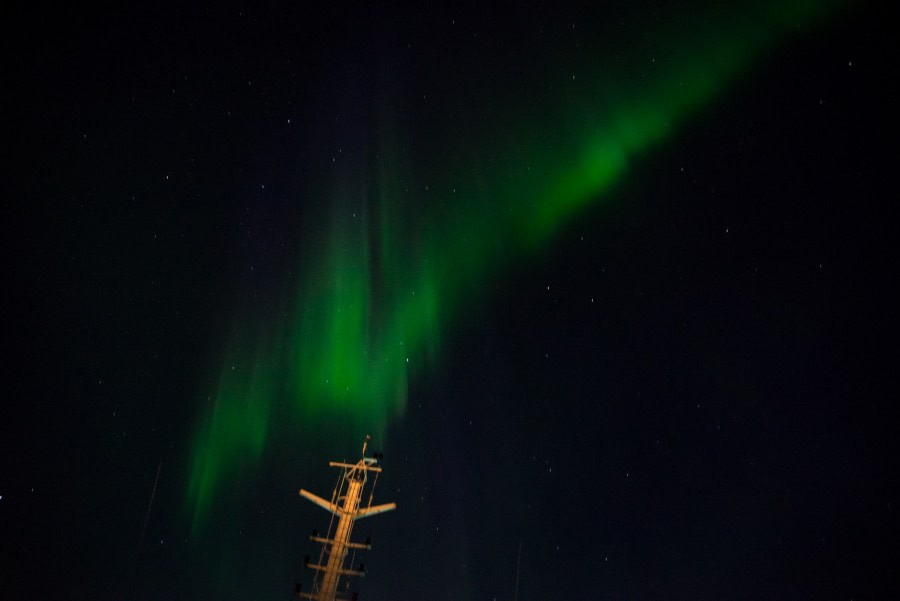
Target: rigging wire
147, 517
518, 565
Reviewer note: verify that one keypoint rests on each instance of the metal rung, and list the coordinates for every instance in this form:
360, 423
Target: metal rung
331, 541
341, 571
352, 465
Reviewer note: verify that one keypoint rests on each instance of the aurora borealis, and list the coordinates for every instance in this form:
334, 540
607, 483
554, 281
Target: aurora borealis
607, 283
383, 281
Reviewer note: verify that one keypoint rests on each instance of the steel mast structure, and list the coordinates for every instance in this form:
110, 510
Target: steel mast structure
346, 506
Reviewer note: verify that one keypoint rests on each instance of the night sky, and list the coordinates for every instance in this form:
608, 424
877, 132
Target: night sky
610, 284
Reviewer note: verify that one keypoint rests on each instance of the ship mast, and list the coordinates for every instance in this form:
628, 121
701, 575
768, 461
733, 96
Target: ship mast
333, 567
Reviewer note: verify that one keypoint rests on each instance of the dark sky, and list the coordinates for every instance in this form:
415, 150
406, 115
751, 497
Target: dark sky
685, 392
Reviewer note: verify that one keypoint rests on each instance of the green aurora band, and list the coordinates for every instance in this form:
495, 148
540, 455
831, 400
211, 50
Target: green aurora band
375, 296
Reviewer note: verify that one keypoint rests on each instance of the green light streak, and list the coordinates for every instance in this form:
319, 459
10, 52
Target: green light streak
374, 299
235, 429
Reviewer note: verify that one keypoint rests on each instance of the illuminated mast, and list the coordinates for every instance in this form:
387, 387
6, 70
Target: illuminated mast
345, 505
